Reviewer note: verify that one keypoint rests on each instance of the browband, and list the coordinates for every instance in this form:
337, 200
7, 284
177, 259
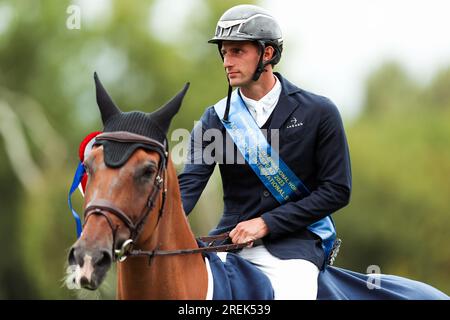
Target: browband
128, 137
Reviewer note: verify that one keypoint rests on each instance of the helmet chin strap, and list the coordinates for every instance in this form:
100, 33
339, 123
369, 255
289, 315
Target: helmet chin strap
230, 89
262, 64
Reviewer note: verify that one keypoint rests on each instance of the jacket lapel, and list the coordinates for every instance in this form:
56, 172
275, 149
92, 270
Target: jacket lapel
286, 104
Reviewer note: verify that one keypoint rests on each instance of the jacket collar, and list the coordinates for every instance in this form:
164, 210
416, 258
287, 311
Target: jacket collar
288, 87
286, 103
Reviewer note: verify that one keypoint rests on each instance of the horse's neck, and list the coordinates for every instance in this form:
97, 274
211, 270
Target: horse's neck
167, 277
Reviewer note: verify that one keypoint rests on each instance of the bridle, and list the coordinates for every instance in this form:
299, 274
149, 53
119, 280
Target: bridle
105, 208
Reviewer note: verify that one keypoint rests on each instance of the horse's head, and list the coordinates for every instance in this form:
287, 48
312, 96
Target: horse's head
126, 170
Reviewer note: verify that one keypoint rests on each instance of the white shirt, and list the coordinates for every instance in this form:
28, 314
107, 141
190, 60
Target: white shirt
262, 109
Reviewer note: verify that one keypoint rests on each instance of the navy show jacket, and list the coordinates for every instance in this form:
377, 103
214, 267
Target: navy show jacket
312, 143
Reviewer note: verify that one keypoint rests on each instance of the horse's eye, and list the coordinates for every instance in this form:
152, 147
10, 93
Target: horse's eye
148, 171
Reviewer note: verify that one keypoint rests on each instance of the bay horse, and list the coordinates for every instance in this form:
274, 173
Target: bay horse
140, 200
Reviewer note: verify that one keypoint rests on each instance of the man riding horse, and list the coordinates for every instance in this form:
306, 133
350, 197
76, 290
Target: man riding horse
277, 200
285, 213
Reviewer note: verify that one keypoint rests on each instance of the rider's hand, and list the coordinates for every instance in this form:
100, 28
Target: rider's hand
249, 230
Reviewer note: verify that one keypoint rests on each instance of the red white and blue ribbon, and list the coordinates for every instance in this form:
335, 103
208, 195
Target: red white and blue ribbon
80, 177
75, 183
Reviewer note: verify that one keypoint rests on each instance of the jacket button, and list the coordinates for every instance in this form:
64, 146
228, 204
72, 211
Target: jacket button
266, 193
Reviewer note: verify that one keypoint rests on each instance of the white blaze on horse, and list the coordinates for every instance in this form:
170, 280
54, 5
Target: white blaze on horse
132, 208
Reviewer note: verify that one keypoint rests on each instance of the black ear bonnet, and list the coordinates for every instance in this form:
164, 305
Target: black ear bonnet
153, 125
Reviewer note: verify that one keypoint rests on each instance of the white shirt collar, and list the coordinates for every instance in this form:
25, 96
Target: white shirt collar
262, 109
266, 103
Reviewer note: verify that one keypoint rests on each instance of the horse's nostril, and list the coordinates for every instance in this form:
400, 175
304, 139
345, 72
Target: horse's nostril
75, 256
71, 257
84, 282
104, 260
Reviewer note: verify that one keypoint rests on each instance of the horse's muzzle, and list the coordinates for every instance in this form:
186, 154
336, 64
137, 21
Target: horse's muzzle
91, 266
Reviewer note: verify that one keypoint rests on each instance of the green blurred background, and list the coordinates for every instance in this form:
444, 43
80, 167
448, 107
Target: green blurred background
398, 217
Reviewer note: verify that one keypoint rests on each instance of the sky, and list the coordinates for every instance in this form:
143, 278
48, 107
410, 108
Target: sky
331, 47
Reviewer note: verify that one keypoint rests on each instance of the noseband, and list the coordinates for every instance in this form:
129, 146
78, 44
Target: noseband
104, 207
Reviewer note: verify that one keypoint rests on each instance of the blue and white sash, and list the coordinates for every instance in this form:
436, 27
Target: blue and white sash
276, 176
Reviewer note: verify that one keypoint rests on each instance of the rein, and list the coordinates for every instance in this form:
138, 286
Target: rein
127, 252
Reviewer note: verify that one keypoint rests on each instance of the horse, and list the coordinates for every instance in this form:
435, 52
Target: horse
140, 201
133, 209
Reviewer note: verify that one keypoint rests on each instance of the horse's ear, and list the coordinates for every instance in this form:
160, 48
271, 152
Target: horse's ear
104, 102
164, 115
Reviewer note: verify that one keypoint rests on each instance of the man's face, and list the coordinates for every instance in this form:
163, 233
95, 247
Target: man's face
240, 59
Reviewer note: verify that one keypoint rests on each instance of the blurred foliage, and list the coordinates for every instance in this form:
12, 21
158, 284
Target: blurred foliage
398, 217
400, 146
47, 98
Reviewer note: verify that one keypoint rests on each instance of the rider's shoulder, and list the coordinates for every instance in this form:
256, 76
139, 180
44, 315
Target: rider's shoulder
319, 104
210, 117
305, 97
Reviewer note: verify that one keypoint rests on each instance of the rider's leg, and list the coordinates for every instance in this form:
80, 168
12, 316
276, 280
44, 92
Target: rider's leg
292, 279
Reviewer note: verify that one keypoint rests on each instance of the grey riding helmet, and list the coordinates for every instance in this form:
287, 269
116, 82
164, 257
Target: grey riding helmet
250, 23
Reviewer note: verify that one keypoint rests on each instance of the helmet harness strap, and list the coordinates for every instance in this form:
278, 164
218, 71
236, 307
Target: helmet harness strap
261, 65
230, 89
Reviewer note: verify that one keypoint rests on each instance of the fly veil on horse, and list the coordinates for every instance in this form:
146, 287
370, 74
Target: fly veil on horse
133, 208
